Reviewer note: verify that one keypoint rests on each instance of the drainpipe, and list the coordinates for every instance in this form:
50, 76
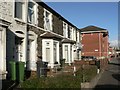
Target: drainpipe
107, 46
99, 45
25, 47
26, 34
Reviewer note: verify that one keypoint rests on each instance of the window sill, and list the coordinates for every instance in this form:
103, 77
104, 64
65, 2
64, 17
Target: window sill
20, 20
32, 24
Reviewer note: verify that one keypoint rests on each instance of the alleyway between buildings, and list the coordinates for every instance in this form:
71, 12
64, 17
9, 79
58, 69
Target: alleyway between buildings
111, 76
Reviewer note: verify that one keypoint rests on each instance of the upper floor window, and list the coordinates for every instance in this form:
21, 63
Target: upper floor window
32, 12
47, 20
74, 34
19, 9
65, 30
78, 36
71, 32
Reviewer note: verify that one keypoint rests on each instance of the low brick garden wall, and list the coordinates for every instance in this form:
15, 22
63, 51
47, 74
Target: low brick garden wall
103, 63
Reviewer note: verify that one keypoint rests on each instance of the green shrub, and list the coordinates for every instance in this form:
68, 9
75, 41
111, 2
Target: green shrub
87, 73
61, 81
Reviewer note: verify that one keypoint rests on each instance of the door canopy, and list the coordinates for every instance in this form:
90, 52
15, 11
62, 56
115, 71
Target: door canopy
31, 35
20, 33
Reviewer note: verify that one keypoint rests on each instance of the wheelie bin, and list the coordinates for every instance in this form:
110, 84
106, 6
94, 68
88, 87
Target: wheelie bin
20, 71
13, 70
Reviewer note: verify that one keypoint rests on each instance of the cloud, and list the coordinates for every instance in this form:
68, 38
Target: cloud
114, 43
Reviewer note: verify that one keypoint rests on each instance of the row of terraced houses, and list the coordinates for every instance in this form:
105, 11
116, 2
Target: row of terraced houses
31, 31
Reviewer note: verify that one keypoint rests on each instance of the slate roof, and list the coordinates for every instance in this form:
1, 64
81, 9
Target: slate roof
93, 28
43, 4
51, 35
68, 41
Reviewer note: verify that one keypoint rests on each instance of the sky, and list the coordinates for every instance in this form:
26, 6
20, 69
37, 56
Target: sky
82, 14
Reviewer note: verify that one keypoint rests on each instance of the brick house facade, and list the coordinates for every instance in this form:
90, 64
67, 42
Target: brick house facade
94, 42
33, 31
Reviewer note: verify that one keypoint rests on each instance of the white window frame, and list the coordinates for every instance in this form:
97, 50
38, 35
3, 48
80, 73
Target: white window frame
74, 34
66, 47
0, 36
23, 10
71, 32
78, 36
35, 10
50, 20
65, 30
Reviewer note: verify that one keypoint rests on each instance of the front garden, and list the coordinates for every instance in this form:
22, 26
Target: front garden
63, 80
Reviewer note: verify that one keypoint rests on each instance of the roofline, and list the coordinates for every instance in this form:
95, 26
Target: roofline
93, 26
53, 11
69, 41
52, 33
102, 31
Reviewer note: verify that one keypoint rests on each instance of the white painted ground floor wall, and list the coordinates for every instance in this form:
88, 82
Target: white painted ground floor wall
24, 46
3, 52
32, 51
21, 45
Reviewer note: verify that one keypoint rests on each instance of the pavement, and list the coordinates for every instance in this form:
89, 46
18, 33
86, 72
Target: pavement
8, 85
110, 78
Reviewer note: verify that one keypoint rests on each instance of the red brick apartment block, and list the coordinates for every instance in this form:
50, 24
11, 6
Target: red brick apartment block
94, 41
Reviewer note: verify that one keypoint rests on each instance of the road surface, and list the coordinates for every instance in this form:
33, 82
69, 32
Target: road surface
111, 76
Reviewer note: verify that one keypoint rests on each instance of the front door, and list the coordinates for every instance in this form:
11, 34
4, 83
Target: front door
29, 50
28, 55
18, 49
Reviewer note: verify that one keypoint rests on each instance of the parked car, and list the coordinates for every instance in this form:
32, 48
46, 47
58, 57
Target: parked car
89, 58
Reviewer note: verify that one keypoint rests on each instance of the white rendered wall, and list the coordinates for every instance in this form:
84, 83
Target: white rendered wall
3, 51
